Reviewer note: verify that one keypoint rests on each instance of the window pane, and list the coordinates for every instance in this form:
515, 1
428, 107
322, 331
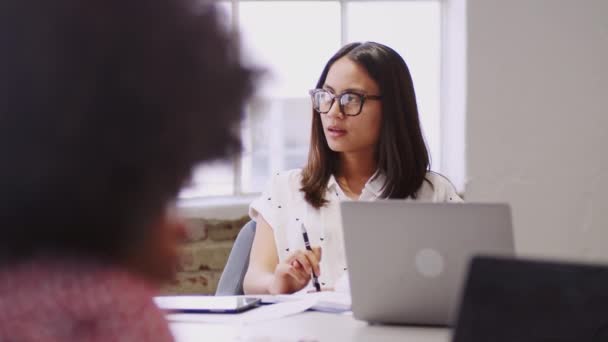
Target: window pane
283, 37
286, 37
292, 40
214, 179
413, 29
276, 137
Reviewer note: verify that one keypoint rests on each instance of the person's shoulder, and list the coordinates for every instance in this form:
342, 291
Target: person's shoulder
439, 188
284, 185
293, 175
104, 286
124, 306
438, 180
287, 180
116, 299
280, 196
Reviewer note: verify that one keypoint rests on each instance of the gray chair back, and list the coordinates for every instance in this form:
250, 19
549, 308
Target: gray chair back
231, 280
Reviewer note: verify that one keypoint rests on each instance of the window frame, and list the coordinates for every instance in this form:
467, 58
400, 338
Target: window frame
451, 86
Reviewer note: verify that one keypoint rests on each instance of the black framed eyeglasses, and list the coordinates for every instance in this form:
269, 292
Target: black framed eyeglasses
350, 102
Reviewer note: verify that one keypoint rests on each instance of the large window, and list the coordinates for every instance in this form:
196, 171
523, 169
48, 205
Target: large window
292, 40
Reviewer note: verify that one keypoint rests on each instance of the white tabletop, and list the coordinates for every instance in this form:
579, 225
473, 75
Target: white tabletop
306, 327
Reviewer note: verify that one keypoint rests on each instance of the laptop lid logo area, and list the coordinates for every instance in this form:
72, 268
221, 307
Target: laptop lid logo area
429, 263
410, 267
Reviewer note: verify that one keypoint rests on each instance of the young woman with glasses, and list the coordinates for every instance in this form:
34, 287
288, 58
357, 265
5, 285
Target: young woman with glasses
366, 144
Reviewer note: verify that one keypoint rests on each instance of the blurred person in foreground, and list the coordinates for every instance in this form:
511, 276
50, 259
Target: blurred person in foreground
105, 107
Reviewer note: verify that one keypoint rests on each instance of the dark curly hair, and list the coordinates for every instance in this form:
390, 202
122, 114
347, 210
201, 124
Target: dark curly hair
105, 107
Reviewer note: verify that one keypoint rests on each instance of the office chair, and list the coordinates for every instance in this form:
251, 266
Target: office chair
231, 280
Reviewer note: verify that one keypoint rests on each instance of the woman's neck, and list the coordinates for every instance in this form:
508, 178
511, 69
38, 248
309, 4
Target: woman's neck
354, 171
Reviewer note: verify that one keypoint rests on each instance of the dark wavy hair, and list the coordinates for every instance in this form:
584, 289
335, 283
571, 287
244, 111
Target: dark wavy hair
105, 107
401, 152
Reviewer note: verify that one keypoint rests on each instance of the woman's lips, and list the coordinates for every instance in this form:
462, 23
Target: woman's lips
336, 132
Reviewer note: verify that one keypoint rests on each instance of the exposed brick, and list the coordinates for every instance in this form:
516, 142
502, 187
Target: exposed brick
204, 255
196, 229
199, 282
225, 230
241, 222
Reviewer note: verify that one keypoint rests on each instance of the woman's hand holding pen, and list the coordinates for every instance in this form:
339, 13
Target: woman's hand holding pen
295, 272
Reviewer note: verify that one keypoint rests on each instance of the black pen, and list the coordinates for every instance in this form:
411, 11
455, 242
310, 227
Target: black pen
315, 280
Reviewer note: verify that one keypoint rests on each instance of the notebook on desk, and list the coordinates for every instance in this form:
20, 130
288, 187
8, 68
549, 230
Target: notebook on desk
407, 261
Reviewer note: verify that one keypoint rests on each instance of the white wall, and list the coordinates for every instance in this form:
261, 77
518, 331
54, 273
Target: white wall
453, 92
537, 120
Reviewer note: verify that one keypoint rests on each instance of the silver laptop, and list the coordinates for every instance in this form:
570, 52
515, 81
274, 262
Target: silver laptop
407, 261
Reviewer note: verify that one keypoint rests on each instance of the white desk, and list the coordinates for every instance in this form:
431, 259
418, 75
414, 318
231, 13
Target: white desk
306, 327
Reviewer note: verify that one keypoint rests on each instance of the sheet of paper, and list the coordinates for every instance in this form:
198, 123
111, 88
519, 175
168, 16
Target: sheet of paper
327, 301
262, 313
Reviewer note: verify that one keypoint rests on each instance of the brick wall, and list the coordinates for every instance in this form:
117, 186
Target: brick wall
211, 230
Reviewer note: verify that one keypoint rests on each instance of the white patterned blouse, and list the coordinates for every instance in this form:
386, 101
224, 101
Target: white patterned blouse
283, 206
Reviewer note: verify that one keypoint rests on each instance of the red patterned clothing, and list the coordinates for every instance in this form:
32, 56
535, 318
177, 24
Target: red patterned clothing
70, 301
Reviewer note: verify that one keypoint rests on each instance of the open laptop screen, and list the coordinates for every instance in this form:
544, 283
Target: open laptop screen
533, 301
